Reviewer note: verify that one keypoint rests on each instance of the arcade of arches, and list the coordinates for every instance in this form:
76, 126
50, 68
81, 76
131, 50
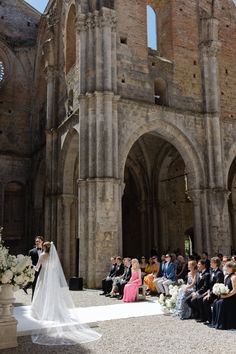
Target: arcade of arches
111, 147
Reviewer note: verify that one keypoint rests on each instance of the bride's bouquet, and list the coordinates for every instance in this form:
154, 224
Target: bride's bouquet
220, 289
15, 270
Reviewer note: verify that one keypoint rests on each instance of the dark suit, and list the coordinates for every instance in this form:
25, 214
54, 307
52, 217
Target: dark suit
169, 271
124, 280
109, 276
217, 276
109, 281
34, 257
202, 285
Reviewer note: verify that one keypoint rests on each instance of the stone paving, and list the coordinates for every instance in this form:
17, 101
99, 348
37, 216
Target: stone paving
153, 334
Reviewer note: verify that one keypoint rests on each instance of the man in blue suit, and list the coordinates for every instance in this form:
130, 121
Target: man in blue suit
162, 284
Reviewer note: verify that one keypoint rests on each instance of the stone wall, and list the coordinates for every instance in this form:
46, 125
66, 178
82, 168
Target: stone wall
18, 28
121, 114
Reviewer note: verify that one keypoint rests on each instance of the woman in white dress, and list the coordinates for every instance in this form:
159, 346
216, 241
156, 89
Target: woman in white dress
52, 305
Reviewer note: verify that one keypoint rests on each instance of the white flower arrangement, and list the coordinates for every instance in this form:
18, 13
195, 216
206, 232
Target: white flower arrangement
15, 270
220, 289
169, 303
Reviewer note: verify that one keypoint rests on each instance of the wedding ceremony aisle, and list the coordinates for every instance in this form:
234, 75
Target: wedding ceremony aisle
128, 328
26, 324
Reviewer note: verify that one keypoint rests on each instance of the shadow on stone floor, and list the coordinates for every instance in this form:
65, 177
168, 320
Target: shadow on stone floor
25, 345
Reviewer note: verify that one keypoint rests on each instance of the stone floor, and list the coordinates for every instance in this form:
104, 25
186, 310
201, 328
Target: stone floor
153, 334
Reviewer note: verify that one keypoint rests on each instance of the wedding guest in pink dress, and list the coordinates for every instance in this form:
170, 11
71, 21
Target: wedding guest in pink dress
135, 281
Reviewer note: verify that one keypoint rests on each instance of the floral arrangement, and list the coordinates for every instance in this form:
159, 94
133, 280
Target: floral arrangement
220, 289
169, 303
15, 270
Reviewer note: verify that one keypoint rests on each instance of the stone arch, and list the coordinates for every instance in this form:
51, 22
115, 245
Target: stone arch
229, 162
68, 204
70, 38
155, 210
69, 155
179, 140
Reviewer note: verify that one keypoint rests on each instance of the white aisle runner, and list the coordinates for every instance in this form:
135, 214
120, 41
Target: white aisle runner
26, 324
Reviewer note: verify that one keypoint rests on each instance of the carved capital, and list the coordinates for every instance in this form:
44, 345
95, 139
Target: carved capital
50, 72
210, 48
48, 50
104, 18
195, 196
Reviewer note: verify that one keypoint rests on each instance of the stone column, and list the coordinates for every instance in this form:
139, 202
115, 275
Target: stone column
199, 244
66, 201
234, 227
51, 157
82, 27
2, 187
215, 190
99, 184
163, 220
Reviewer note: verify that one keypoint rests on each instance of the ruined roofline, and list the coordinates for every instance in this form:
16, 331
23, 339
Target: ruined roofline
26, 4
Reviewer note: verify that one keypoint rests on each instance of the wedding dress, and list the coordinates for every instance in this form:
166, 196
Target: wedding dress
52, 305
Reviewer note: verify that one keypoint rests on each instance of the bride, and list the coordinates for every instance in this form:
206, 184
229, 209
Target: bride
52, 305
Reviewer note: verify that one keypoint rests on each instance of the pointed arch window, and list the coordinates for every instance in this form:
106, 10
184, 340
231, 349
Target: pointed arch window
151, 28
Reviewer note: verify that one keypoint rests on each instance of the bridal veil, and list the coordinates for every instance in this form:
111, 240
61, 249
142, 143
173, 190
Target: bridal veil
53, 307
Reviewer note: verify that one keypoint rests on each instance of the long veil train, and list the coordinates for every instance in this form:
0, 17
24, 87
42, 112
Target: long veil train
52, 305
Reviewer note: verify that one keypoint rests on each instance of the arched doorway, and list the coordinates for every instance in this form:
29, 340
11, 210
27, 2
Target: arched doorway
232, 204
156, 207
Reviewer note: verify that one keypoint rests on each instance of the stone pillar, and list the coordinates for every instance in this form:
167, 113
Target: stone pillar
51, 158
234, 227
99, 184
65, 230
200, 244
215, 208
2, 187
163, 220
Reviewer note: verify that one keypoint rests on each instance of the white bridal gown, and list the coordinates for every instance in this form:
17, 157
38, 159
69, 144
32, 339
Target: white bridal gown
51, 306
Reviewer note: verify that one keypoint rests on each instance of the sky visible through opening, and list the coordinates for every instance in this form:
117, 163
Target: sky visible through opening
41, 4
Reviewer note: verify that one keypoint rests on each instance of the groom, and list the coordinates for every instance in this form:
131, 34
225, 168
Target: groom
34, 253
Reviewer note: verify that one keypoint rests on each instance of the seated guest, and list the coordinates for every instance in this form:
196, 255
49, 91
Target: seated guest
220, 255
162, 284
162, 266
224, 261
224, 309
118, 271
181, 268
202, 286
208, 298
120, 281
135, 281
207, 260
143, 264
182, 309
148, 269
149, 279
107, 282
233, 258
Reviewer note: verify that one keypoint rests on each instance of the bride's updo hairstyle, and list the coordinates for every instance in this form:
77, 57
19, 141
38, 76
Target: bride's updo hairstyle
46, 246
